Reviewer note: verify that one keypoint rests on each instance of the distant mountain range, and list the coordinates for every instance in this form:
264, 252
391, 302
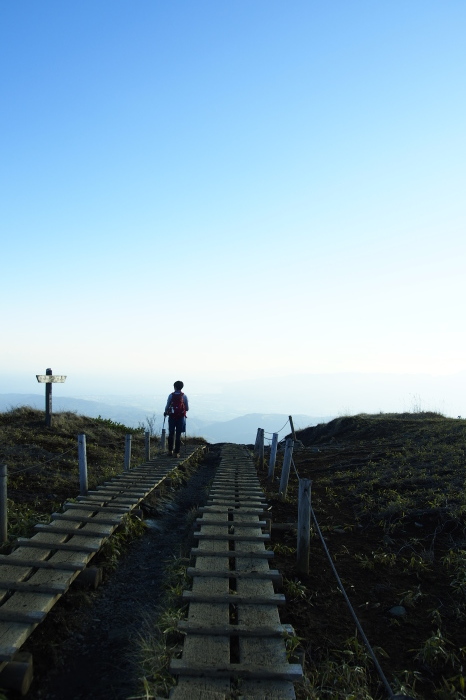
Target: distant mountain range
132, 416
242, 429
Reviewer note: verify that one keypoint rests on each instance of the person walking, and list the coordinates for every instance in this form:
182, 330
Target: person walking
176, 408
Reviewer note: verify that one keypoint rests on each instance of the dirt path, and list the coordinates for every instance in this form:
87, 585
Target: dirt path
96, 660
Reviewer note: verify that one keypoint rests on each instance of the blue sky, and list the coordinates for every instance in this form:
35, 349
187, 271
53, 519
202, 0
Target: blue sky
227, 190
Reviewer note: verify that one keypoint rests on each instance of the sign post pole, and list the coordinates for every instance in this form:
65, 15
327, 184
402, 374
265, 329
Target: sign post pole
48, 399
48, 379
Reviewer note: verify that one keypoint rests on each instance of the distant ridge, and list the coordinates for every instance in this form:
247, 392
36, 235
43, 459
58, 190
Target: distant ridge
128, 415
241, 430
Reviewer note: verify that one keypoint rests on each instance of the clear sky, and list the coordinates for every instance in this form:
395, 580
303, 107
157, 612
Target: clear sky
232, 188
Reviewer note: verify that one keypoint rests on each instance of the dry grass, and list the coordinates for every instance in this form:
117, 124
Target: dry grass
43, 462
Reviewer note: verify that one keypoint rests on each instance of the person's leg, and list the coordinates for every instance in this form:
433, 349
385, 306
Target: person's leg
171, 433
179, 428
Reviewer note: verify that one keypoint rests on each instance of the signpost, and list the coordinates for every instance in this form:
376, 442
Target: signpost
48, 379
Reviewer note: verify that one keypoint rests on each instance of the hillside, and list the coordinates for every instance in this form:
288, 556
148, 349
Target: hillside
43, 462
388, 494
117, 410
389, 498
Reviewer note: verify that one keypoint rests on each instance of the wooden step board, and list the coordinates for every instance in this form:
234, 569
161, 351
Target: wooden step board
41, 568
234, 640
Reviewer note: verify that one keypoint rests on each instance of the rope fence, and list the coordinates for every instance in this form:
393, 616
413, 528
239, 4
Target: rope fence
294, 467
279, 431
352, 611
305, 514
39, 466
82, 468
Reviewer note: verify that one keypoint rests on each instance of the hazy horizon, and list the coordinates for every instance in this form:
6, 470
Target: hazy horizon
310, 394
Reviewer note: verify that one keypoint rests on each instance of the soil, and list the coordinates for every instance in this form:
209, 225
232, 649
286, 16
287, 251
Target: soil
86, 647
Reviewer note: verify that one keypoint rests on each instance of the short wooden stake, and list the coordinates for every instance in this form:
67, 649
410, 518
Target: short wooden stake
286, 468
17, 675
147, 444
304, 526
128, 452
162, 440
3, 504
256, 444
91, 577
82, 460
261, 447
273, 457
293, 434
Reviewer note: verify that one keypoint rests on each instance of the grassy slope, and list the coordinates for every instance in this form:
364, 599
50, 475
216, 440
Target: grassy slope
43, 462
389, 495
388, 492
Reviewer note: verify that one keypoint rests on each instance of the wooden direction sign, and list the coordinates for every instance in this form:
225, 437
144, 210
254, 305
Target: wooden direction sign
48, 379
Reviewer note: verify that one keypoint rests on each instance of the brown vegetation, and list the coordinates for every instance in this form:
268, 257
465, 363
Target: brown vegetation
43, 462
388, 494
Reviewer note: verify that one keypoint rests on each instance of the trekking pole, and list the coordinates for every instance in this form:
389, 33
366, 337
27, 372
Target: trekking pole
162, 437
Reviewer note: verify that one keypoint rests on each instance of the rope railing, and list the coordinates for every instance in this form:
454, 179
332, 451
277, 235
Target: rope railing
259, 445
53, 459
352, 611
305, 513
82, 468
294, 467
39, 466
278, 431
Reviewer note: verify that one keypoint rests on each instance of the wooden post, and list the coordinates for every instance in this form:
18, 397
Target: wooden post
273, 457
292, 427
162, 440
48, 379
147, 444
48, 400
82, 461
286, 468
17, 675
128, 452
261, 447
304, 526
3, 504
256, 444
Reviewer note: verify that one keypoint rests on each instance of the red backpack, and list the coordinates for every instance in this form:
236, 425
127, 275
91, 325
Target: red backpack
177, 409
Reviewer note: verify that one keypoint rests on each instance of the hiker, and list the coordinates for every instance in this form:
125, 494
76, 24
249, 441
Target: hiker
176, 408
